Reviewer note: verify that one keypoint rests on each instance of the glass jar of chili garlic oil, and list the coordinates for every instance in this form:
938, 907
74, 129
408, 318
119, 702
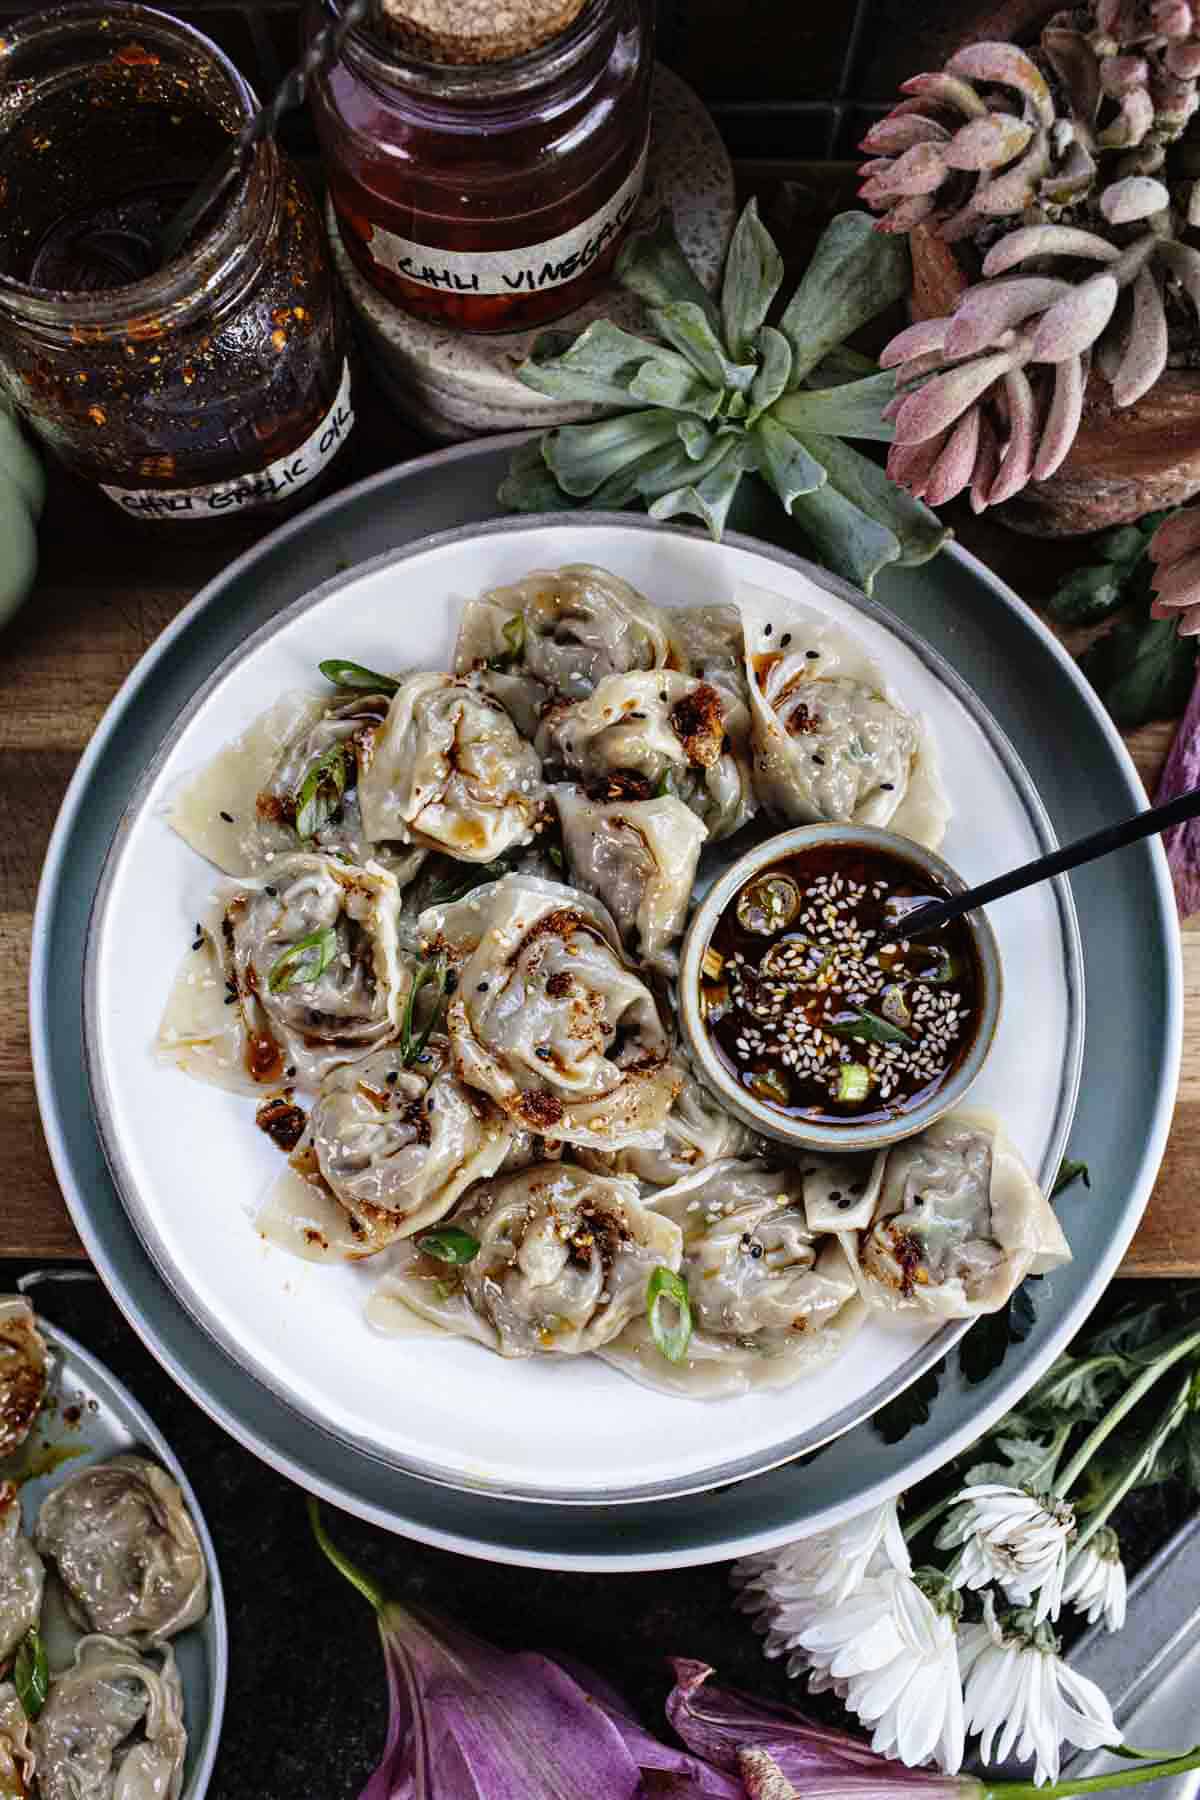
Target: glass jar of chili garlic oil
191, 390
484, 178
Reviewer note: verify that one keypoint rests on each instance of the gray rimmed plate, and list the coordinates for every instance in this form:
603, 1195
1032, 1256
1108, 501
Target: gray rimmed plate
1018, 670
92, 1417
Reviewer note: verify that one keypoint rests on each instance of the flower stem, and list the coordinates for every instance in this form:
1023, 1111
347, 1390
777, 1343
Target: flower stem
1117, 1412
1136, 1467
340, 1561
1094, 1784
926, 1518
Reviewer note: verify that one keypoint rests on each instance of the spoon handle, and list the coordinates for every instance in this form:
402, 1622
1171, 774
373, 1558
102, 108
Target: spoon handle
321, 53
1070, 856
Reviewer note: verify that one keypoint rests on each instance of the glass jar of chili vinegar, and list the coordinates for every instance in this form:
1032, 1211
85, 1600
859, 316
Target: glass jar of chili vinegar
192, 388
485, 161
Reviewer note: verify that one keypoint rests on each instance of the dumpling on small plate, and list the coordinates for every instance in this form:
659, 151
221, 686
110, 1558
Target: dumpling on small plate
958, 1224
112, 1725
552, 1260
557, 633
390, 1144
549, 1019
769, 1302
449, 771
669, 732
127, 1554
23, 1371
637, 856
830, 740
22, 1576
288, 977
289, 782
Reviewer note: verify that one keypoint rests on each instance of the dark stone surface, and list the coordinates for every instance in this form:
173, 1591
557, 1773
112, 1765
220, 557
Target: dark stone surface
307, 1710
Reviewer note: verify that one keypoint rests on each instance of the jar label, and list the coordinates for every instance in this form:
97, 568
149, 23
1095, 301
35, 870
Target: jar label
529, 268
279, 479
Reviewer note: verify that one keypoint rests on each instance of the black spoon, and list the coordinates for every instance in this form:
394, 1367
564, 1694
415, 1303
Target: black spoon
931, 915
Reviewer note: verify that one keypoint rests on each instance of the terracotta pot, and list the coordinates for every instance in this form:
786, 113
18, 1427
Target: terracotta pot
1125, 461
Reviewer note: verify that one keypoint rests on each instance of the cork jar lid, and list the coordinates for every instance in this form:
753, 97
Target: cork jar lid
476, 31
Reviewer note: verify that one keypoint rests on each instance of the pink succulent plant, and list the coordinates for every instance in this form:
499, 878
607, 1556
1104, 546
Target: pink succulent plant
1050, 167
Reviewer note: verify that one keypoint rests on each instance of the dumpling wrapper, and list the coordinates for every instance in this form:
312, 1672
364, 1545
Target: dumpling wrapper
23, 1371
982, 1223
679, 735
449, 771
841, 1192
564, 1259
82, 1739
237, 810
549, 1019
387, 1151
698, 1131
16, 1747
770, 1302
556, 633
310, 1026
127, 1553
639, 857
822, 694
22, 1577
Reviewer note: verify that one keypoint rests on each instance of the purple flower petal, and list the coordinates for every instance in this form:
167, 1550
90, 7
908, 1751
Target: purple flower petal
1181, 772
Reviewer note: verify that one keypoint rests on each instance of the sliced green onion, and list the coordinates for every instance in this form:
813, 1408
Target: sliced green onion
433, 973
869, 1027
305, 960
555, 855
946, 968
320, 792
513, 633
894, 1006
353, 675
854, 1081
665, 1286
31, 1674
449, 1245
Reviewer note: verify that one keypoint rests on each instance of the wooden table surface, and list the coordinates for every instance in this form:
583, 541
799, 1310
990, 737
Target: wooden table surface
108, 586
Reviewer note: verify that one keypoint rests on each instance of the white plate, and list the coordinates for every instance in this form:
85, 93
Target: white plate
193, 1170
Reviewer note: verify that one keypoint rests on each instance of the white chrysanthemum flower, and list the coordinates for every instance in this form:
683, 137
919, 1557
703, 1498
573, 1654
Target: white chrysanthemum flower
1095, 1583
891, 1654
1012, 1537
1020, 1696
828, 1567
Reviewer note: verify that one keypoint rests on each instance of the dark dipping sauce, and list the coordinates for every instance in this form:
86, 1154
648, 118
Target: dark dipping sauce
819, 1006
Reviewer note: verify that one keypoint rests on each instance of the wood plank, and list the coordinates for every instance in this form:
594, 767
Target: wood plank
33, 1220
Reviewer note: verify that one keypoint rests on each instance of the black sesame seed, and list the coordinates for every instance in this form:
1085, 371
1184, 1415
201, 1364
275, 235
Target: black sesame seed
785, 640
392, 1077
767, 630
290, 1071
228, 818
229, 999
887, 786
819, 760
664, 696
543, 1051
812, 655
844, 1201
836, 1196
274, 892
482, 988
756, 1251
199, 944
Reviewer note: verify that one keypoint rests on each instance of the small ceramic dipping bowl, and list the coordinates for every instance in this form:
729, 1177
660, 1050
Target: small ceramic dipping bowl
793, 985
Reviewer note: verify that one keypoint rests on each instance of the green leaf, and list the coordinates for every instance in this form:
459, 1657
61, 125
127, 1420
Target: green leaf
319, 794
753, 273
1079, 1387
31, 1674
680, 470
353, 675
1068, 1172
449, 1244
666, 1287
1086, 596
688, 328
774, 368
1142, 670
652, 266
696, 439
785, 463
911, 1408
855, 272
662, 383
529, 486
900, 528
582, 457
1191, 1450
869, 1028
668, 461
987, 1343
846, 540
1027, 1460
597, 366
304, 961
852, 409
711, 498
